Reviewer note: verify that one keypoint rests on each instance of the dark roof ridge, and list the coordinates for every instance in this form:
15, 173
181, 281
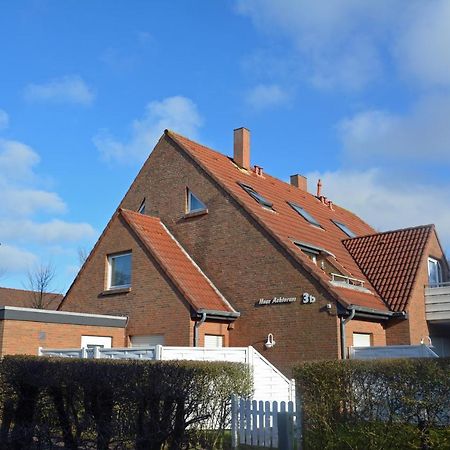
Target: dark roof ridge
431, 226
300, 259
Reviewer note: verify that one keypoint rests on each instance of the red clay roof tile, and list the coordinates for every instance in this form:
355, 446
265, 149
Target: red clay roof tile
284, 223
25, 299
390, 261
198, 290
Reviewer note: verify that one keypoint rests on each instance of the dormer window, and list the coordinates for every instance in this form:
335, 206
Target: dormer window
256, 196
305, 214
344, 228
194, 204
119, 270
434, 272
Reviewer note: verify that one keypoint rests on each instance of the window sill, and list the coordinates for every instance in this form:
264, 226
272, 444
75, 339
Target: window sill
115, 291
195, 213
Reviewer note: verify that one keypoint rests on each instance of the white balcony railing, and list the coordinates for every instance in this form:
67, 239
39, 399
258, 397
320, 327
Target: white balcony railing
437, 302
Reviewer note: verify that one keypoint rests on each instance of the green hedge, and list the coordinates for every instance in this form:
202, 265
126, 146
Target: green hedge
108, 404
382, 404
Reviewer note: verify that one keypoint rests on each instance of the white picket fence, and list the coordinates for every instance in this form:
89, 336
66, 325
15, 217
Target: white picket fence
268, 382
265, 424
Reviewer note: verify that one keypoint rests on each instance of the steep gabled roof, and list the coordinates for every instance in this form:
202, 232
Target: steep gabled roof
193, 284
391, 261
24, 299
284, 224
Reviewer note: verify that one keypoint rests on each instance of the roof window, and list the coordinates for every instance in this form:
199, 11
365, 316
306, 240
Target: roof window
344, 228
194, 204
256, 196
305, 214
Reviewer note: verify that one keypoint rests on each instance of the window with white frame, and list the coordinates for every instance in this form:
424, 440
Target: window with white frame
194, 204
119, 270
434, 272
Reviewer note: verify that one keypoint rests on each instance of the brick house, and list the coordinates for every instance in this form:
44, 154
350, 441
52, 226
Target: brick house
206, 250
24, 328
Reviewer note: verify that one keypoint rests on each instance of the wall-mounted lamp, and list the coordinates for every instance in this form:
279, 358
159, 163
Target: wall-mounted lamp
270, 341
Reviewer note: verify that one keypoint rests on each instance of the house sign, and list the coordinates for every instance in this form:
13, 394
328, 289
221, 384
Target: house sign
305, 298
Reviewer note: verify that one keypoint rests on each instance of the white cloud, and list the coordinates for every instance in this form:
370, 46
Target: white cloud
423, 44
336, 42
24, 202
265, 96
4, 119
388, 204
68, 89
44, 233
422, 133
17, 160
177, 113
350, 43
13, 259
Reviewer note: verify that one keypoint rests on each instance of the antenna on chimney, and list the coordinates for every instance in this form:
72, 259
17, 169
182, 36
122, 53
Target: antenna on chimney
319, 188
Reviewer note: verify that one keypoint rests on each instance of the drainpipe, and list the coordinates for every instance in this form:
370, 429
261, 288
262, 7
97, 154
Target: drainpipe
343, 338
196, 327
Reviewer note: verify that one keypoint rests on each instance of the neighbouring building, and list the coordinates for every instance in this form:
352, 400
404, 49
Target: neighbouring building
208, 250
24, 328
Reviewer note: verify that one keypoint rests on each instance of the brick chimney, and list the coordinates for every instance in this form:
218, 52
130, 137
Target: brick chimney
242, 147
299, 181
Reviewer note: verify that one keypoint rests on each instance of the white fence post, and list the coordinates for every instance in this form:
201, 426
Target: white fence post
234, 421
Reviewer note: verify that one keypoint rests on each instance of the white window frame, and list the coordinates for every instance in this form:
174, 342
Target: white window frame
155, 339
96, 341
109, 276
189, 204
439, 271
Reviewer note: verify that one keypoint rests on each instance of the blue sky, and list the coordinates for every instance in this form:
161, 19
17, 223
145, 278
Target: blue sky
357, 93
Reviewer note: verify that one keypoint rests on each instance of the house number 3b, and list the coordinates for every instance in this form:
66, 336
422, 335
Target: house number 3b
308, 298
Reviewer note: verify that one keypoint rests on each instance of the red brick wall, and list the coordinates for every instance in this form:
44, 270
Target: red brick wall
413, 330
24, 338
153, 304
243, 262
376, 329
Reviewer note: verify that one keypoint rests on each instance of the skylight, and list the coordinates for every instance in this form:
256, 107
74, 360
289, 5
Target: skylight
194, 204
256, 196
344, 228
305, 214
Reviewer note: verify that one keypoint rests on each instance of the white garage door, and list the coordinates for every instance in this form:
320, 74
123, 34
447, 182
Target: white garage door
99, 341
362, 340
147, 340
213, 341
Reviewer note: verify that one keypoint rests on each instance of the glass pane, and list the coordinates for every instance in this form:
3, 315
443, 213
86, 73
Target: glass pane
121, 270
194, 203
305, 214
345, 229
434, 277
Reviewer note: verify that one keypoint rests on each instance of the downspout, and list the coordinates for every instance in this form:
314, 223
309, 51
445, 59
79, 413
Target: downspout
343, 338
196, 327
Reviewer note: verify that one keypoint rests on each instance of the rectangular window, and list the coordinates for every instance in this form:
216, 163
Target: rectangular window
96, 341
305, 214
213, 341
256, 196
119, 271
362, 339
344, 228
434, 272
147, 340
